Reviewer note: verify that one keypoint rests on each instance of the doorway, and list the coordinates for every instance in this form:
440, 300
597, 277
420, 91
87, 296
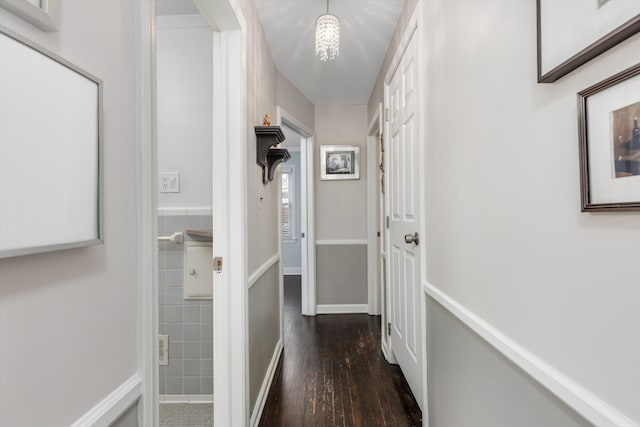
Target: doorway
184, 68
291, 221
297, 245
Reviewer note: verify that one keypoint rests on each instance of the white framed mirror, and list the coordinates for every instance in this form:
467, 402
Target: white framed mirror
50, 151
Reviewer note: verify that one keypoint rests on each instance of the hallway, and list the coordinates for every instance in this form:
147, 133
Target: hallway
333, 373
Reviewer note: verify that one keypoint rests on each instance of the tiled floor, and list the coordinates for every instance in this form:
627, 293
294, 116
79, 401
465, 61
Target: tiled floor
186, 414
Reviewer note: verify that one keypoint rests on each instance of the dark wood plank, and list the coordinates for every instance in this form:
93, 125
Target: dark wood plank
333, 373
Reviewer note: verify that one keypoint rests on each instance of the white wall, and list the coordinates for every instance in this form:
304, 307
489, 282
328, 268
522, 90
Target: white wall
506, 237
68, 318
341, 205
263, 81
185, 107
341, 211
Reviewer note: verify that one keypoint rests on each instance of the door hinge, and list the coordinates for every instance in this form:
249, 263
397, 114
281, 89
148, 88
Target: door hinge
386, 114
378, 234
387, 221
217, 264
389, 328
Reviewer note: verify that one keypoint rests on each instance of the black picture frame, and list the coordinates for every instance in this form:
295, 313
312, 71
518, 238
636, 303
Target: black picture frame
590, 50
622, 166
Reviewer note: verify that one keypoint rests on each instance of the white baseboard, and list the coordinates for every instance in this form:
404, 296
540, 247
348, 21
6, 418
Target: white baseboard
266, 385
186, 398
581, 400
291, 271
341, 242
107, 411
342, 308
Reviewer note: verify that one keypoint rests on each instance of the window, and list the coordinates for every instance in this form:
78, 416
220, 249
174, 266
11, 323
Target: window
288, 204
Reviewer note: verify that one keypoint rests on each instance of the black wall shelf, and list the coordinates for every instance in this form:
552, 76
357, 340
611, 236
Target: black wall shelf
266, 157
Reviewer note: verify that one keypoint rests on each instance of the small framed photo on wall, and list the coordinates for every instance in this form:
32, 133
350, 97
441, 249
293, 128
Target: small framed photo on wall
338, 162
609, 130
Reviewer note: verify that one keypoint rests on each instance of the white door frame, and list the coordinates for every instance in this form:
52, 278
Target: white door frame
373, 286
414, 27
307, 224
229, 190
147, 207
231, 293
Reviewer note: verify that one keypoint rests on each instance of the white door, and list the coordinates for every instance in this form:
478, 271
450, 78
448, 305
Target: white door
404, 253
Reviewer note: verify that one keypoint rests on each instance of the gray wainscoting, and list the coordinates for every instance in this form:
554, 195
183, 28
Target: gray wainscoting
264, 327
129, 418
341, 274
471, 384
189, 323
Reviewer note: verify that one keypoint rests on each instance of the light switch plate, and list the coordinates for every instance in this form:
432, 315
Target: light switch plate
169, 182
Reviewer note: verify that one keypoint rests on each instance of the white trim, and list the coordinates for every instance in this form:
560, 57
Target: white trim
172, 211
260, 398
307, 211
114, 405
581, 400
230, 307
47, 18
184, 211
373, 287
343, 308
199, 211
146, 218
417, 16
181, 22
260, 271
186, 398
404, 43
220, 14
266, 385
413, 29
292, 271
340, 242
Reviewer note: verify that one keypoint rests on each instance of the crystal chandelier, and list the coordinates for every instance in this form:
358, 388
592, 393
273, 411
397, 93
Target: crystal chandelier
327, 36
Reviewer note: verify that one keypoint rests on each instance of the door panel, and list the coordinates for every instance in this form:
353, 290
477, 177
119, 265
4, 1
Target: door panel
404, 220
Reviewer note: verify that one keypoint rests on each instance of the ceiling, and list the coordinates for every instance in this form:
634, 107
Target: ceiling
176, 7
366, 27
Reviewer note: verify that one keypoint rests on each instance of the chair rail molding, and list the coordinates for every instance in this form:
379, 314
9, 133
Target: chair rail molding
576, 397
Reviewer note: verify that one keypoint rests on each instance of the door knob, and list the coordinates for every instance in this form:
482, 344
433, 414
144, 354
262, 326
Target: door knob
412, 238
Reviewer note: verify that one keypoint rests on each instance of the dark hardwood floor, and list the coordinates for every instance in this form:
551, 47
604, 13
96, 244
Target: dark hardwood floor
333, 373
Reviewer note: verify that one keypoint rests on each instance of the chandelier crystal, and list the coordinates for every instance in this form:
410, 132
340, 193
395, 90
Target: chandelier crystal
327, 36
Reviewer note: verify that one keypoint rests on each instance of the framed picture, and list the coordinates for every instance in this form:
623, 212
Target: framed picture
609, 133
339, 162
571, 33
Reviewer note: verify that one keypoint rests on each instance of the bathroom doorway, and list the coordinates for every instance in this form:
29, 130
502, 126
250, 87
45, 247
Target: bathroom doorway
184, 69
293, 230
297, 245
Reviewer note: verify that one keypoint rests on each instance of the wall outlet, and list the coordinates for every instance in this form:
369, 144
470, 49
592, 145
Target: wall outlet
164, 350
169, 182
